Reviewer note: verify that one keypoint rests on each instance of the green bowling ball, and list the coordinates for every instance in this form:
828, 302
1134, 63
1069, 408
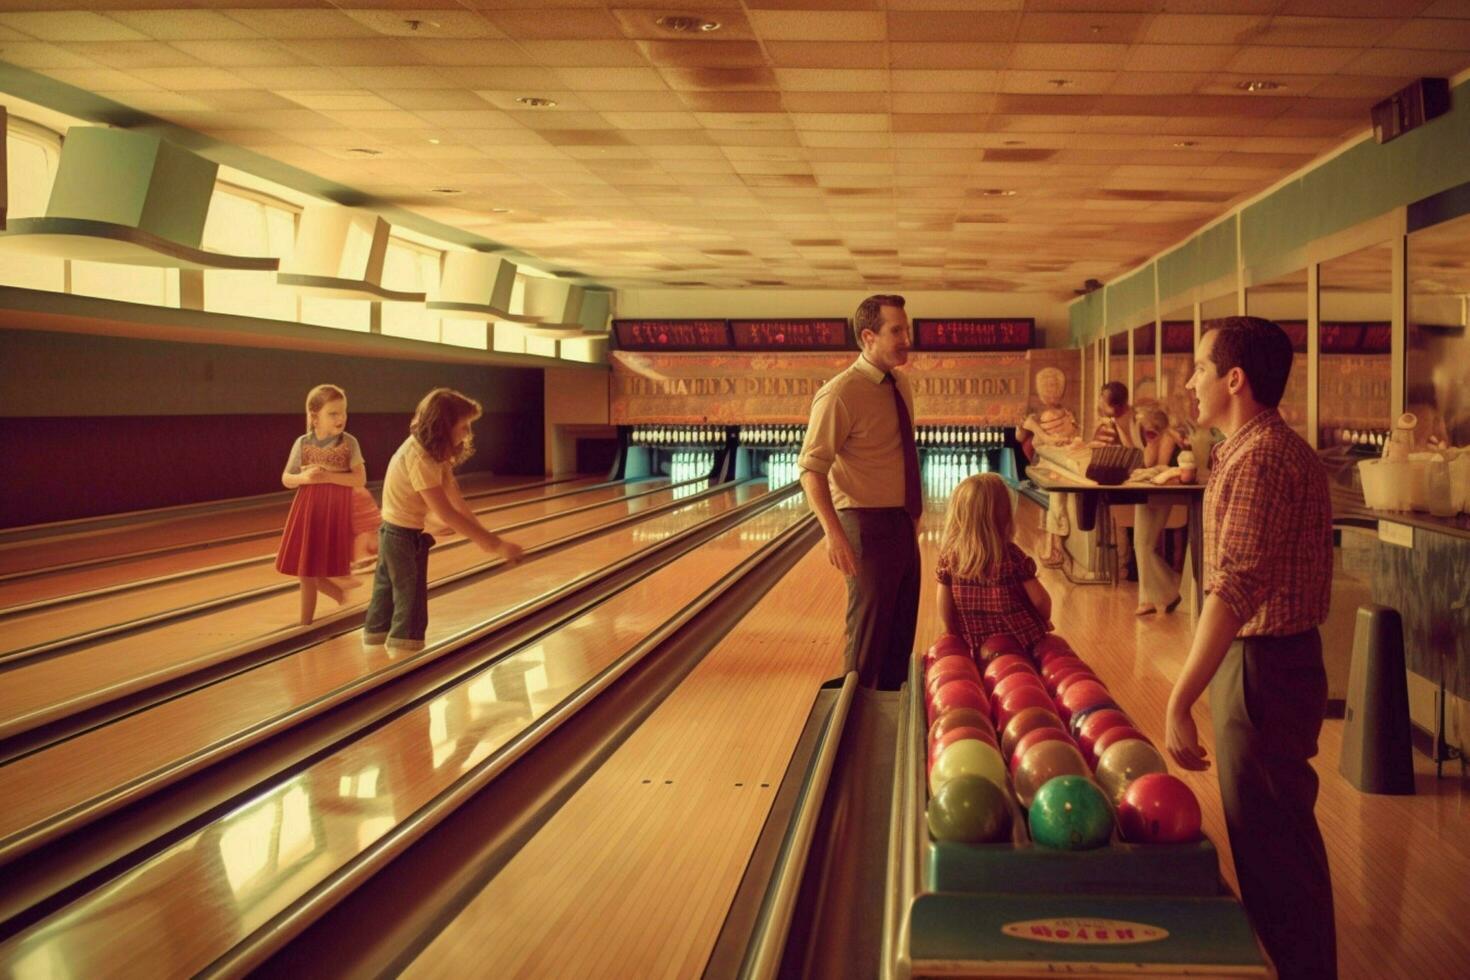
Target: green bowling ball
1070, 813
971, 810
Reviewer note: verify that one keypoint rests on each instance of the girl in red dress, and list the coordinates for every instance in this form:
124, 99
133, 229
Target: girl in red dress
326, 470
987, 585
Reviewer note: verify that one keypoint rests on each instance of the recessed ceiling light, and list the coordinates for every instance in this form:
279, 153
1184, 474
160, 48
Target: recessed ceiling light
447, 191
415, 24
683, 24
1060, 82
1014, 143
1258, 85
365, 151
536, 102
500, 210
434, 141
1182, 144
998, 192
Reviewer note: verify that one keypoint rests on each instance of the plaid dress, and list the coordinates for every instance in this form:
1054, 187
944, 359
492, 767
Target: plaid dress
997, 605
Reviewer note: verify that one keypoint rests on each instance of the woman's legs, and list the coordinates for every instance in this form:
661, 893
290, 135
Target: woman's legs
1156, 586
308, 600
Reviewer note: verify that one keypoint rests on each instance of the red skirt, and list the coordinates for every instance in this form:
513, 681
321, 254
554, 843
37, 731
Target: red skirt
317, 540
365, 516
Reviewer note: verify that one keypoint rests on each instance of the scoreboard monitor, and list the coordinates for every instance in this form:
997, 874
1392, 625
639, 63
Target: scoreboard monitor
671, 335
975, 334
791, 334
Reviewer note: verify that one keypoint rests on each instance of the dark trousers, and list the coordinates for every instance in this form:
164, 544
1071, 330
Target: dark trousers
883, 598
1268, 700
399, 608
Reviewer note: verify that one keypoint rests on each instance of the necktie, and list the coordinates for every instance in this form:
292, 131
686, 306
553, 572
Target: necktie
913, 497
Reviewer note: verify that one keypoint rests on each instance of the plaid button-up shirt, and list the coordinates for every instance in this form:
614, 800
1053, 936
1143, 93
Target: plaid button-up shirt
1268, 529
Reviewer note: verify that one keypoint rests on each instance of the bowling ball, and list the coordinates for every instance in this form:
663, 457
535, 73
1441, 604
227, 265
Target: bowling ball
1071, 677
1070, 813
1014, 680
1074, 724
1111, 735
957, 694
948, 644
968, 757
1006, 708
1094, 725
1058, 667
937, 747
1006, 663
971, 810
1050, 645
954, 662
1123, 762
999, 643
938, 678
1158, 808
1035, 735
1081, 696
1044, 762
960, 718
1027, 720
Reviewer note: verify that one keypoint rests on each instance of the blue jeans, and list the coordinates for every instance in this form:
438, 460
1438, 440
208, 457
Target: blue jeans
399, 608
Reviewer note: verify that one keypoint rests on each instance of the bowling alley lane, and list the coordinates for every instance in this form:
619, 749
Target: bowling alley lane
207, 584
44, 547
43, 689
214, 540
677, 810
102, 768
190, 903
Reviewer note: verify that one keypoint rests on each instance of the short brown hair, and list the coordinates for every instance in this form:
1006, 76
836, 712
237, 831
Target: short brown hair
434, 421
1115, 393
1259, 347
869, 315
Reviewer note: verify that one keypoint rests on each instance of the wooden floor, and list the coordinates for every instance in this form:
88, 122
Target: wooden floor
216, 885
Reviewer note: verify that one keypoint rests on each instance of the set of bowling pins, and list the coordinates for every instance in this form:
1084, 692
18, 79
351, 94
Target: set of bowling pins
772, 435
781, 469
942, 470
668, 436
690, 465
959, 436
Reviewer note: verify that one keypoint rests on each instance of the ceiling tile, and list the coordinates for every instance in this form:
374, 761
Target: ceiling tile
182, 25
568, 25
832, 80
953, 26
803, 54
819, 25
931, 55
240, 54
1201, 29
69, 25
585, 53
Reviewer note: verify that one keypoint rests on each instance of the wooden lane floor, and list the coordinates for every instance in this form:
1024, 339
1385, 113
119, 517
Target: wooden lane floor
47, 624
634, 875
203, 553
1400, 864
184, 907
55, 789
40, 690
175, 527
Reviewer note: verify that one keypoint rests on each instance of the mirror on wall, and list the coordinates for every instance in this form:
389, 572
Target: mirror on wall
1145, 365
1437, 349
1355, 364
1176, 339
1284, 300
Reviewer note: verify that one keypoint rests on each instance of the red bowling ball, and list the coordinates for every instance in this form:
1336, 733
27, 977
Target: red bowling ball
1000, 643
938, 678
1095, 724
1061, 666
1011, 681
1117, 734
1046, 733
957, 694
947, 645
1026, 720
1018, 700
1065, 682
1050, 645
1006, 663
1158, 808
955, 661
1081, 696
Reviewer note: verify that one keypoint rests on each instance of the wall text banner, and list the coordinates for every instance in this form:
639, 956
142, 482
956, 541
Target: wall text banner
694, 389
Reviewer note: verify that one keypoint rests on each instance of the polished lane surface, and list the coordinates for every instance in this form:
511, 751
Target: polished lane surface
56, 789
216, 540
190, 903
28, 629
41, 690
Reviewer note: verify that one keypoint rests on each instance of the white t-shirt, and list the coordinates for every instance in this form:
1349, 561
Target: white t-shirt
411, 471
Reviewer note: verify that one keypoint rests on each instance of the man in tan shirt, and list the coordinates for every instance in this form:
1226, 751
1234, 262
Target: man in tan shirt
860, 471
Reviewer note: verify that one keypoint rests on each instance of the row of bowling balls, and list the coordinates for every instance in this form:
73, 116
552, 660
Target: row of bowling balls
1073, 757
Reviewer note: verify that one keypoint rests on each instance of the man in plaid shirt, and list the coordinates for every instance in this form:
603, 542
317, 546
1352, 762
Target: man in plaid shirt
1268, 578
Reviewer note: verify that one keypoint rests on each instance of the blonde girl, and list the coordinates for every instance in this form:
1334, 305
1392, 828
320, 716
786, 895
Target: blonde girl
324, 468
987, 585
